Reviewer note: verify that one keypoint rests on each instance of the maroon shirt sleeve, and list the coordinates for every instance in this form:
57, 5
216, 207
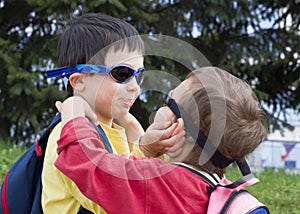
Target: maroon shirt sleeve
122, 185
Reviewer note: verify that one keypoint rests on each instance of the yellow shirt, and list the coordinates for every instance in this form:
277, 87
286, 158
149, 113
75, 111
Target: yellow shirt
59, 193
116, 135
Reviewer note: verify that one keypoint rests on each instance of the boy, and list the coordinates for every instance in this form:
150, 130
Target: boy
225, 110
108, 87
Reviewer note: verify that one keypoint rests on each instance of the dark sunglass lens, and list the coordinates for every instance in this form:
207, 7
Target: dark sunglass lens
140, 77
121, 74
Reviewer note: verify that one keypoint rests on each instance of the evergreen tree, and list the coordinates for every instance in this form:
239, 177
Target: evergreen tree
256, 40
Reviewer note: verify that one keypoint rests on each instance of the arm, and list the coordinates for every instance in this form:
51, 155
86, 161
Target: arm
160, 137
118, 184
133, 129
145, 184
107, 178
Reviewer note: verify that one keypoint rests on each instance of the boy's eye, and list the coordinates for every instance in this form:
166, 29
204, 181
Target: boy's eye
121, 74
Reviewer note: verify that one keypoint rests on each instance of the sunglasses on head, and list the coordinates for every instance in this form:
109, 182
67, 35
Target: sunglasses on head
120, 73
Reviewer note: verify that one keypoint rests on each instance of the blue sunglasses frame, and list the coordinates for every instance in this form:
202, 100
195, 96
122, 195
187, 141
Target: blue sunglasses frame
66, 71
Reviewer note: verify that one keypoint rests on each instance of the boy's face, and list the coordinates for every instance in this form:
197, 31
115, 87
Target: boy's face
108, 98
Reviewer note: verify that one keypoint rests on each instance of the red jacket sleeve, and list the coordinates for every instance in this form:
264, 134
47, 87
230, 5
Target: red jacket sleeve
124, 185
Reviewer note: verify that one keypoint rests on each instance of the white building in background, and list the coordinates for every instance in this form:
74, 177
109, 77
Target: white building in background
280, 150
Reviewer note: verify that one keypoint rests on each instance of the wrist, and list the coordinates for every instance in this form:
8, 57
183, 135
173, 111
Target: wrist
146, 150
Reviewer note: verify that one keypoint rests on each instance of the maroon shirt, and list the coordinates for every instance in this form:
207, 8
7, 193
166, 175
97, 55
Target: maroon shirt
122, 185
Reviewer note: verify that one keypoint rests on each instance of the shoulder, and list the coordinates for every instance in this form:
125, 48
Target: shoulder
50, 153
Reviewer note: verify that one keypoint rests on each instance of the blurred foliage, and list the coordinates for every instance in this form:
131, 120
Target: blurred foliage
256, 40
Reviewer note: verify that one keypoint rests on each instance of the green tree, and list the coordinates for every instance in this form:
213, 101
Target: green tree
256, 40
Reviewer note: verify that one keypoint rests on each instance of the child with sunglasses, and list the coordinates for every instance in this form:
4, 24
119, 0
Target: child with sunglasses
102, 59
219, 111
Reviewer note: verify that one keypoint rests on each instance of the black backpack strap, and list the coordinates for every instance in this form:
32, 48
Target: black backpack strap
243, 166
240, 181
211, 179
216, 157
42, 141
41, 145
45, 134
82, 210
108, 147
103, 138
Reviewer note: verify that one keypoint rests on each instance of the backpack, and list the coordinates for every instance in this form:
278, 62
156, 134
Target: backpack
230, 196
22, 185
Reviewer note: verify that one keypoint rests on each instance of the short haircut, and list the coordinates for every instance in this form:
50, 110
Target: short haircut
91, 33
245, 120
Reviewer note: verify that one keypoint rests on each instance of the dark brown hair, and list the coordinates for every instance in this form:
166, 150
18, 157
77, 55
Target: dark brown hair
90, 33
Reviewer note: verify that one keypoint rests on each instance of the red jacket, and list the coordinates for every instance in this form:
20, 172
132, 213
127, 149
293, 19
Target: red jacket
121, 185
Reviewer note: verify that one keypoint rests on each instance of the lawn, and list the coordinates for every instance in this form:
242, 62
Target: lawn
278, 190
8, 155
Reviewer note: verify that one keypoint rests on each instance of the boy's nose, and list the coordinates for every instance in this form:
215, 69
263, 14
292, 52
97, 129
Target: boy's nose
132, 85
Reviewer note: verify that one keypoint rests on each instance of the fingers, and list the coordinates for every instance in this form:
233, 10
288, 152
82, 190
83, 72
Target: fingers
159, 131
179, 143
75, 107
58, 105
168, 132
179, 126
89, 112
175, 143
160, 125
174, 133
161, 137
172, 141
175, 153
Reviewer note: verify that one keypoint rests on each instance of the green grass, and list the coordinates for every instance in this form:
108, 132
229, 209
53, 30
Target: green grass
278, 190
8, 155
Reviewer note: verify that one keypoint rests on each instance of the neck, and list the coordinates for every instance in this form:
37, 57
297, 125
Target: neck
106, 120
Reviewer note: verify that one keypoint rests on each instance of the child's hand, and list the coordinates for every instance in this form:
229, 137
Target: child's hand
74, 107
176, 149
163, 137
133, 128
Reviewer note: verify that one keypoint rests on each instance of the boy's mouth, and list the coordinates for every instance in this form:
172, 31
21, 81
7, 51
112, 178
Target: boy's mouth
127, 102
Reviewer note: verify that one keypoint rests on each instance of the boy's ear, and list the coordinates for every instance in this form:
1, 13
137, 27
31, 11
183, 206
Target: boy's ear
76, 81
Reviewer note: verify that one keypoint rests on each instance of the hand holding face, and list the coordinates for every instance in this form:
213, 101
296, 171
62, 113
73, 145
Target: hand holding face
163, 137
